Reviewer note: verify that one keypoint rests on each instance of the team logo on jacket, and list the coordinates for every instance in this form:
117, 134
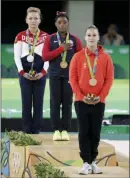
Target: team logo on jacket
40, 40
71, 42
85, 65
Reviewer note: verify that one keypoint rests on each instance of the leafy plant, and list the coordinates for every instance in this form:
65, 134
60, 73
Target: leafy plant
21, 138
45, 170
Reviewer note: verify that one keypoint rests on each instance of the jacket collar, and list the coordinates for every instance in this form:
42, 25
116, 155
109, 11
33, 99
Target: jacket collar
99, 47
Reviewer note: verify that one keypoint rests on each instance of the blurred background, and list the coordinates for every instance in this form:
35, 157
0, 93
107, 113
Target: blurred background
111, 17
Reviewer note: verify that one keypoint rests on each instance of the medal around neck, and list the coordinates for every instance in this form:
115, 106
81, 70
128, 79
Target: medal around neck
30, 58
92, 82
63, 64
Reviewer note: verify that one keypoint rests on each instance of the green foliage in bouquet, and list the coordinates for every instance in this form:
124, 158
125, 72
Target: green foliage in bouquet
45, 170
21, 138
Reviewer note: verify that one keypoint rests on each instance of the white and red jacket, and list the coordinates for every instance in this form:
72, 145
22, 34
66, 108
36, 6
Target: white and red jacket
21, 51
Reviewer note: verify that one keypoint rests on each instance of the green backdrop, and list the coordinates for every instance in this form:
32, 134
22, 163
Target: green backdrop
117, 101
120, 57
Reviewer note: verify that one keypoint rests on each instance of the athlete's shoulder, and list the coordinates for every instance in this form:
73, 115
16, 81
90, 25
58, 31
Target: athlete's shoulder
19, 36
43, 33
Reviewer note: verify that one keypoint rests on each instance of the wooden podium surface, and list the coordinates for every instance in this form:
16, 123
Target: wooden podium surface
108, 172
68, 151
65, 155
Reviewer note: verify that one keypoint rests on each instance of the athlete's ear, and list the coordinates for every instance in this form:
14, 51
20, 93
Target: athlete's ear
56, 24
98, 38
26, 20
85, 37
40, 21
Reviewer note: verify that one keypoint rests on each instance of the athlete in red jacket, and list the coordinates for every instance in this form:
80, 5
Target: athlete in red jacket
91, 75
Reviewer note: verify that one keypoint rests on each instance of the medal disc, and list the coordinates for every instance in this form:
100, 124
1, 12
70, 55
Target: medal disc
63, 64
92, 82
30, 58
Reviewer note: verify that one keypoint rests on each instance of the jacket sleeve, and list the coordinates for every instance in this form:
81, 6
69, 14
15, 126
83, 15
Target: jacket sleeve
45, 68
108, 79
17, 53
73, 78
49, 55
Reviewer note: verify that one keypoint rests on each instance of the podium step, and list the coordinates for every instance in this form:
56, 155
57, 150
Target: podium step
68, 151
108, 172
64, 155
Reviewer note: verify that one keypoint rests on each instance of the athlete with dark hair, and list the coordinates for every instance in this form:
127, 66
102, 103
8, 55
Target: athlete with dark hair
59, 48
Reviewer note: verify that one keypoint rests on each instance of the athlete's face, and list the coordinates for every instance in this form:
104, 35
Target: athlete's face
33, 19
92, 37
62, 24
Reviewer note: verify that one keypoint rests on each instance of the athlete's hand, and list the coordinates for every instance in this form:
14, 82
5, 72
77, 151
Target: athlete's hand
88, 100
66, 46
27, 76
97, 100
39, 75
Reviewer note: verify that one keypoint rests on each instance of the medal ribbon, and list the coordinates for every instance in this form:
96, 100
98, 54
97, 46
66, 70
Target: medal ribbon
63, 55
31, 51
92, 71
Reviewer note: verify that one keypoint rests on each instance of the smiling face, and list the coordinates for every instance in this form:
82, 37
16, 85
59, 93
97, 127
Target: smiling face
62, 24
92, 37
33, 19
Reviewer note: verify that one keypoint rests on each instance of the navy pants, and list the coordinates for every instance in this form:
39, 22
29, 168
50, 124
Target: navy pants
89, 124
32, 93
60, 94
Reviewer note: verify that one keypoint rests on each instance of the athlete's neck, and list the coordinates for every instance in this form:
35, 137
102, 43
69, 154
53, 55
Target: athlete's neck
63, 34
92, 48
33, 30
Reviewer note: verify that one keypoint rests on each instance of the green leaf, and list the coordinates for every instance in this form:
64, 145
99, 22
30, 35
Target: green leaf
21, 138
45, 170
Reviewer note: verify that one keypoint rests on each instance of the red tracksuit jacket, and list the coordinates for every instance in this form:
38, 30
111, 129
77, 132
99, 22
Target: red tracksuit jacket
79, 75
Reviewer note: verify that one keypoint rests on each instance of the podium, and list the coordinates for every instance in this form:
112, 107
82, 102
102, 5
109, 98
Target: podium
65, 156
61, 153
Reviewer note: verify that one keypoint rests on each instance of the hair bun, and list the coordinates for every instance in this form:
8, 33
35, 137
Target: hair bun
58, 13
33, 9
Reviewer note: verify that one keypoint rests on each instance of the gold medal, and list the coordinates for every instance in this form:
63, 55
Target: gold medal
63, 64
92, 82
